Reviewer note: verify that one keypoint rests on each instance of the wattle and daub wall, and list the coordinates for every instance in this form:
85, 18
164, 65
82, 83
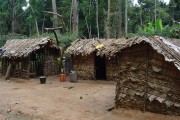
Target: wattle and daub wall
147, 82
84, 65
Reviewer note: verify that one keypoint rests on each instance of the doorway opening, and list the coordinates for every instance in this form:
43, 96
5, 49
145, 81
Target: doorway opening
100, 67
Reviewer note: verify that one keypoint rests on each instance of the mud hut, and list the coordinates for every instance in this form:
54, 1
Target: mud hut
149, 74
147, 70
90, 62
30, 57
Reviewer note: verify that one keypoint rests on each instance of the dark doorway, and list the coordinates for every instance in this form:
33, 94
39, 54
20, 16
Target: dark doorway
100, 67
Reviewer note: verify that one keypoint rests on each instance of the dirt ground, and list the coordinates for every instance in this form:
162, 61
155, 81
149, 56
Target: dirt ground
84, 100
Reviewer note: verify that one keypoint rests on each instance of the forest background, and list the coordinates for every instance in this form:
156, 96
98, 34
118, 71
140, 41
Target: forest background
88, 19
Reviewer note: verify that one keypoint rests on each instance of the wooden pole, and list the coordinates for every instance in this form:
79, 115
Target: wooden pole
8, 71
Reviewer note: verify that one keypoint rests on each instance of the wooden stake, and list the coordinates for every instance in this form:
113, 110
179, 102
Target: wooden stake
8, 71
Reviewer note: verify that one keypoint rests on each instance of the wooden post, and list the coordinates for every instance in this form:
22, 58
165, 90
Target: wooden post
28, 67
8, 71
2, 60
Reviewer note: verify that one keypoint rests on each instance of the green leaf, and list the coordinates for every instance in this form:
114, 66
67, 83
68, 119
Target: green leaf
159, 25
150, 28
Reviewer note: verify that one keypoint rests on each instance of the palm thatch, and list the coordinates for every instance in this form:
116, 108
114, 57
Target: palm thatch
87, 46
22, 48
169, 48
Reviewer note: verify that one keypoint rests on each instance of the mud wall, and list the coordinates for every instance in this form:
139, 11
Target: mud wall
84, 65
147, 82
112, 64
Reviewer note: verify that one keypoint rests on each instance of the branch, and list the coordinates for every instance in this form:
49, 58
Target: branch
15, 3
54, 13
20, 15
175, 21
60, 16
52, 29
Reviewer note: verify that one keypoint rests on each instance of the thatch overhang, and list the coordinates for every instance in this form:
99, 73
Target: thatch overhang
17, 48
87, 46
169, 48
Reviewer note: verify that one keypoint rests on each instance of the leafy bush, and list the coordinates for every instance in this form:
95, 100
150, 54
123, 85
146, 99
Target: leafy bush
175, 32
66, 39
167, 31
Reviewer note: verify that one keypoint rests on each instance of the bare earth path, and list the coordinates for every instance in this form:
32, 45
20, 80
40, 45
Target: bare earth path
85, 100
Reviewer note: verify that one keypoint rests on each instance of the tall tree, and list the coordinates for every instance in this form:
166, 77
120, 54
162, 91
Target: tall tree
107, 28
35, 19
10, 11
119, 18
174, 6
75, 20
55, 21
126, 17
155, 5
97, 18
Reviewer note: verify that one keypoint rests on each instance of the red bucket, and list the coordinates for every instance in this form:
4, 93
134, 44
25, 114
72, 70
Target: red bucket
62, 77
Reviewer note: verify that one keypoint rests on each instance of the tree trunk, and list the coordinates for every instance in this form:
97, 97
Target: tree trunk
35, 19
43, 26
70, 19
55, 21
37, 29
89, 14
87, 26
126, 18
141, 16
108, 20
155, 14
119, 18
75, 17
13, 21
97, 16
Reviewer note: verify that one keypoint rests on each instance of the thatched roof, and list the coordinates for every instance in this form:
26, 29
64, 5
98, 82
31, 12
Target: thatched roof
169, 48
87, 46
23, 47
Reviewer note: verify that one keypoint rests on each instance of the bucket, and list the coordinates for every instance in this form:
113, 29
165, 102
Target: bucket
62, 77
73, 76
42, 79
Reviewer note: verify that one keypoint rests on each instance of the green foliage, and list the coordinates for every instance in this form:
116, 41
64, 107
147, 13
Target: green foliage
138, 15
66, 39
150, 28
147, 31
175, 32
167, 31
159, 25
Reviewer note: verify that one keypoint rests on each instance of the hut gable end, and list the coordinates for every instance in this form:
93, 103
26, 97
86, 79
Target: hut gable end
169, 48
